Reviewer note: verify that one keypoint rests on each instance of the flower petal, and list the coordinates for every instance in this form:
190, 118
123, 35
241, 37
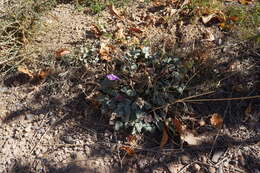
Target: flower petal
112, 77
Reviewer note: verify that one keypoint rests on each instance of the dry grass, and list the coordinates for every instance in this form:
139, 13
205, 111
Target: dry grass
17, 28
19, 22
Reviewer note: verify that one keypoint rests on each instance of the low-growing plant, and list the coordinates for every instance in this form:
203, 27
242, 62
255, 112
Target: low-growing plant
143, 82
98, 5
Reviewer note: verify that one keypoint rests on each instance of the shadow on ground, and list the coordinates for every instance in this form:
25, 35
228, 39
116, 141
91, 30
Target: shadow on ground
88, 119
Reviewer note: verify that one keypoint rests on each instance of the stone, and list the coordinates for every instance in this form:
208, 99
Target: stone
68, 140
174, 167
217, 154
185, 159
196, 167
29, 116
212, 170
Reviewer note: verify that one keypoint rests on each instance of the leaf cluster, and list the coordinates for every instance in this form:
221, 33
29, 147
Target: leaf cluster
146, 81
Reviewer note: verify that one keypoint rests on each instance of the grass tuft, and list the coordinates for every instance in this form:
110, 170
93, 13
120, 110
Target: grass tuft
17, 28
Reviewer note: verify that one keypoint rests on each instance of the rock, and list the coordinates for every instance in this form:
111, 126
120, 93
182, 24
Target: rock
217, 154
220, 169
185, 159
27, 128
68, 140
29, 116
174, 167
142, 163
3, 89
212, 170
196, 167
52, 121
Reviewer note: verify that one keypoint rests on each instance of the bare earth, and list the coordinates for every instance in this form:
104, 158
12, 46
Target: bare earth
52, 127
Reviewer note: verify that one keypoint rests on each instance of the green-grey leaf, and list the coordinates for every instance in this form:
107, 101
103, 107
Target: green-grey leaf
118, 125
139, 127
128, 91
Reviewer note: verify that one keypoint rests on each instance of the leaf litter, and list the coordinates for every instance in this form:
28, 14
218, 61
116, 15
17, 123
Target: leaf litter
148, 78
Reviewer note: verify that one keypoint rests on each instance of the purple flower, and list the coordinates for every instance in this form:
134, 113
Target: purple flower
112, 77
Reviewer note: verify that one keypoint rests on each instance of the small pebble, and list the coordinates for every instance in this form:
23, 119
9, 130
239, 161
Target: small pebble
29, 116
68, 140
196, 167
3, 89
185, 159
212, 170
217, 155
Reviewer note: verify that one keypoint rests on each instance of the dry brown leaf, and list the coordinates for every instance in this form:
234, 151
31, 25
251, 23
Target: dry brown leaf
177, 125
132, 140
114, 12
135, 30
129, 150
43, 74
120, 32
104, 52
245, 2
216, 120
206, 19
159, 3
222, 25
96, 31
25, 71
218, 17
62, 52
165, 137
233, 18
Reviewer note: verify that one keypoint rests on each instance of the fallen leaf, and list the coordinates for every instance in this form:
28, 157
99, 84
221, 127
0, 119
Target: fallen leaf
206, 19
233, 18
25, 71
222, 25
96, 31
62, 52
165, 137
132, 139
135, 30
120, 32
129, 150
43, 74
159, 3
114, 12
216, 120
245, 2
177, 125
218, 17
104, 52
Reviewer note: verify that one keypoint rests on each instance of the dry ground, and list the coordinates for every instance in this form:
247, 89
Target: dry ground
51, 125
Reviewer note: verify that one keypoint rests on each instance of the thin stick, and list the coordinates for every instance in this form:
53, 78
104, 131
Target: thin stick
182, 100
221, 99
